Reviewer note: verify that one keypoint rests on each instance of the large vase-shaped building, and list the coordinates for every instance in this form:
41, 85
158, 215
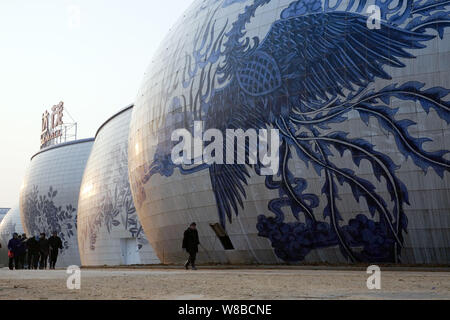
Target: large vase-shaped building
3, 212
49, 196
361, 108
109, 231
10, 224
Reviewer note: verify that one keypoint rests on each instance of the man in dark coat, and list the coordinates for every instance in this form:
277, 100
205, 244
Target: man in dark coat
23, 251
44, 249
55, 244
33, 253
14, 248
190, 244
20, 253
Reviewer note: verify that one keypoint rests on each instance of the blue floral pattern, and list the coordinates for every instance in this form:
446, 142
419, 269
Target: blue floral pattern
117, 207
44, 216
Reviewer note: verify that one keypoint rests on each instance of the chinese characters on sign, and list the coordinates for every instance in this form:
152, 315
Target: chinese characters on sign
52, 124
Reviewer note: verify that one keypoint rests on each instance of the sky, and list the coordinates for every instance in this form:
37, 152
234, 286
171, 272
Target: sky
91, 54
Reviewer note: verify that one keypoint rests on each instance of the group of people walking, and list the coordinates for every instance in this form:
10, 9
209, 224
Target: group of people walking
33, 252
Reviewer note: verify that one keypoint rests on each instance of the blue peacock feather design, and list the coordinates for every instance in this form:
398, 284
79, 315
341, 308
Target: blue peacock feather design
315, 66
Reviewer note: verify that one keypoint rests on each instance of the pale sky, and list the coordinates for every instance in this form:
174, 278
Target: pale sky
94, 66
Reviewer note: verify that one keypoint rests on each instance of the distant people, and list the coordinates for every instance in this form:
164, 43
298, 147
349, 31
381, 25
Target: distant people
23, 251
33, 253
190, 244
44, 248
13, 250
20, 253
55, 244
19, 250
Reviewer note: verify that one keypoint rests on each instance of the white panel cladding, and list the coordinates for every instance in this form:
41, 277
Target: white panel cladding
10, 224
178, 81
49, 196
107, 221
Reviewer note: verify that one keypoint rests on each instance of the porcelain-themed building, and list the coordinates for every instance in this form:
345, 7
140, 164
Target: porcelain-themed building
362, 112
3, 254
10, 224
109, 231
3, 212
49, 196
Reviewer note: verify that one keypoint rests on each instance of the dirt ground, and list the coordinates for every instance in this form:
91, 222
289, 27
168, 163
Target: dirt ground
216, 283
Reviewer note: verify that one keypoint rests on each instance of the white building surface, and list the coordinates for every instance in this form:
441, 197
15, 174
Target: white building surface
10, 224
363, 119
109, 231
49, 196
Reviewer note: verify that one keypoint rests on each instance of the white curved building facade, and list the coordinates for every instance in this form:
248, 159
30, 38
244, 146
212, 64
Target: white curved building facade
49, 196
3, 212
362, 114
10, 224
109, 231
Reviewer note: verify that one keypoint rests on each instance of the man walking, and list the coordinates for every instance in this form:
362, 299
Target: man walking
190, 244
23, 251
55, 244
13, 253
20, 252
33, 253
43, 251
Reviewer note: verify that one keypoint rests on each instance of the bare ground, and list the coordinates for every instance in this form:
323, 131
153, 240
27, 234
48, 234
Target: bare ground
217, 283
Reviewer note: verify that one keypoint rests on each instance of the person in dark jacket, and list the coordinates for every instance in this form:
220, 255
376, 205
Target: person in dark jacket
20, 252
190, 244
44, 249
33, 253
55, 244
23, 251
14, 248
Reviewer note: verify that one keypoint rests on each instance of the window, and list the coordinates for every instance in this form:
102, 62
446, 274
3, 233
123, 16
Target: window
222, 235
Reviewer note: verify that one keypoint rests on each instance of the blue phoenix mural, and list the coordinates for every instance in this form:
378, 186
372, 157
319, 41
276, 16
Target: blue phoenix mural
314, 66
